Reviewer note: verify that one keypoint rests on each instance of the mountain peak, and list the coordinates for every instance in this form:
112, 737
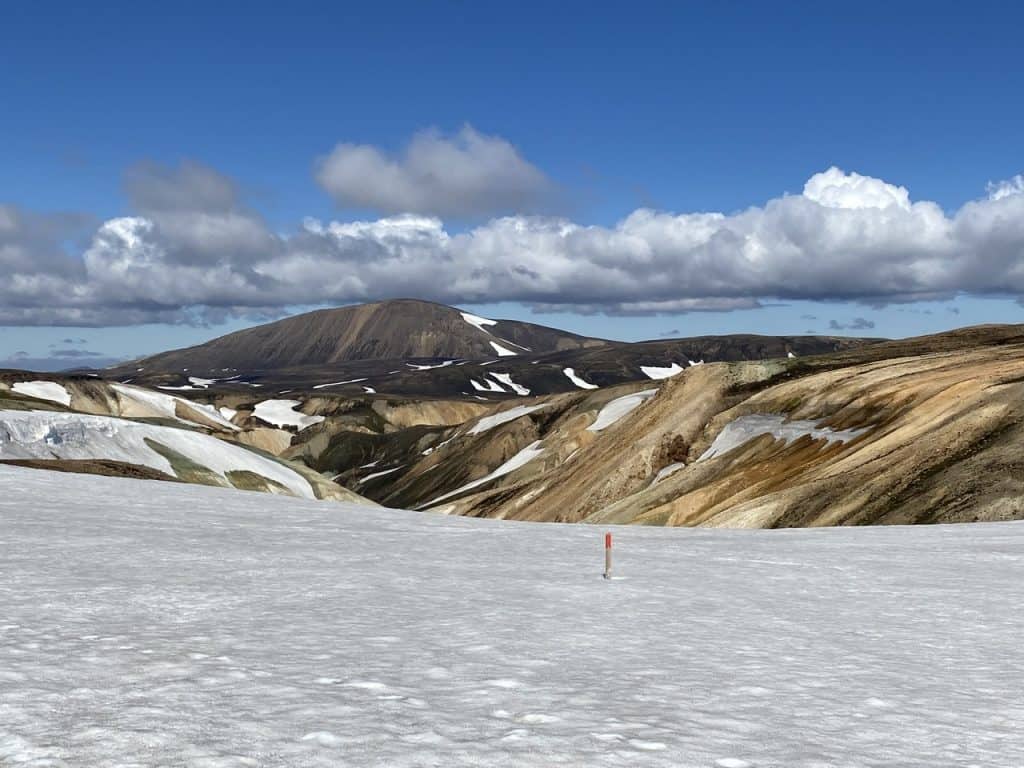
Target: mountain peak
390, 329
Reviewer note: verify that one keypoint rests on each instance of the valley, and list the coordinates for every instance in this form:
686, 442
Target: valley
757, 432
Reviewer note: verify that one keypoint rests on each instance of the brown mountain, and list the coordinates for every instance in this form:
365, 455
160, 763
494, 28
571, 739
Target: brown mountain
384, 330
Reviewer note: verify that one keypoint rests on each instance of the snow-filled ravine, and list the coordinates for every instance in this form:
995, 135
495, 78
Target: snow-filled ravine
746, 428
159, 624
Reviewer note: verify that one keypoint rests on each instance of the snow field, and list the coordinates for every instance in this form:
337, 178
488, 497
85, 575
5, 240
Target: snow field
161, 624
51, 435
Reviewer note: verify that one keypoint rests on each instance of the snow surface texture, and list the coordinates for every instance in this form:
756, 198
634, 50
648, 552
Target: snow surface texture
168, 625
51, 435
745, 428
525, 456
44, 390
619, 408
282, 413
571, 374
654, 372
497, 419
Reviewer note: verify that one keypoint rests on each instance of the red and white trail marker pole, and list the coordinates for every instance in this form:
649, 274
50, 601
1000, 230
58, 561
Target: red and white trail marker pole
607, 555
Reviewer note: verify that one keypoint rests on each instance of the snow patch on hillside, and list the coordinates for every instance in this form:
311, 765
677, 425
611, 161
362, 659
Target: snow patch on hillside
339, 383
283, 413
656, 372
497, 419
428, 367
524, 457
166, 405
571, 374
619, 408
746, 428
667, 471
478, 322
486, 386
502, 351
373, 475
506, 379
44, 390
50, 435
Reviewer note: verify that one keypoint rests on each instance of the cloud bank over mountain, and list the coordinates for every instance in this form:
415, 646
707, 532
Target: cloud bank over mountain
194, 251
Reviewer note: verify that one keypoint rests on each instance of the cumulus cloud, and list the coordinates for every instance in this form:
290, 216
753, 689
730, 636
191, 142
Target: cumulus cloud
997, 190
846, 237
469, 174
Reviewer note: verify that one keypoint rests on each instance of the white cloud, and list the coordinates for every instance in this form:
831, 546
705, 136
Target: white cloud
469, 174
997, 190
847, 237
836, 189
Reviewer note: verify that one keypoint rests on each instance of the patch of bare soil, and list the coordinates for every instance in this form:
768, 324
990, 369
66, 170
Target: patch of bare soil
103, 467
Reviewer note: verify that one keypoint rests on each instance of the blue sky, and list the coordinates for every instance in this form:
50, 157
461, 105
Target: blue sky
669, 106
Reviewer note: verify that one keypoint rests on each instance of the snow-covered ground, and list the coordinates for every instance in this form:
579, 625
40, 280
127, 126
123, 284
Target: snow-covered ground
154, 624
